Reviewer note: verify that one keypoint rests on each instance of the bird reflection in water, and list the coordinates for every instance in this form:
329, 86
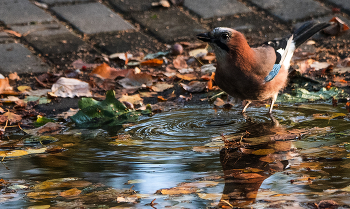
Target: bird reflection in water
250, 156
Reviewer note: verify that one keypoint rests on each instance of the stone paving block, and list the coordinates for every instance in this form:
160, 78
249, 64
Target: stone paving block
216, 8
16, 58
92, 18
257, 29
51, 38
5, 38
345, 4
63, 1
22, 11
288, 10
169, 24
132, 5
118, 42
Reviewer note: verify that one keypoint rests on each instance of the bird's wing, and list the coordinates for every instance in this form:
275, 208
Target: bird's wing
284, 49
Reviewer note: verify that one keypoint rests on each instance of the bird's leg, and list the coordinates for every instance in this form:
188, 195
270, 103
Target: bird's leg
273, 99
246, 105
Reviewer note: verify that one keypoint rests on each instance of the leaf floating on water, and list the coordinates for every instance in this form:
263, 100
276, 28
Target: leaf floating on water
329, 116
210, 196
70, 193
42, 195
263, 151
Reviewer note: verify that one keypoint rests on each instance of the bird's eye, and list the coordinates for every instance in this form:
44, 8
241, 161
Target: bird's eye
225, 36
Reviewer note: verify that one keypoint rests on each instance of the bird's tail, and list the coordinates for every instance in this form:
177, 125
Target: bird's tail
307, 30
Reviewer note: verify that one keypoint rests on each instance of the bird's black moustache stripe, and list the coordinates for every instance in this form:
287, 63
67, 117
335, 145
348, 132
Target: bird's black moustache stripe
222, 45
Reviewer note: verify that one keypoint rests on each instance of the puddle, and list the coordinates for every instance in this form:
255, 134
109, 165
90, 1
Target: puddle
193, 157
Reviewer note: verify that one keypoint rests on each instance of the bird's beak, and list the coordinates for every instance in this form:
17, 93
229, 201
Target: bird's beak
204, 37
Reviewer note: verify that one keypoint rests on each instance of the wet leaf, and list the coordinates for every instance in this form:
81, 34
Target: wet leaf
110, 112
70, 193
328, 116
11, 117
210, 196
42, 195
219, 102
41, 120
13, 153
303, 95
39, 206
207, 69
67, 114
186, 70
49, 128
70, 87
263, 151
194, 86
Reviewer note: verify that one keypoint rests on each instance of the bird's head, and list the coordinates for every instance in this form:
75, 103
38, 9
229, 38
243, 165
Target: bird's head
220, 38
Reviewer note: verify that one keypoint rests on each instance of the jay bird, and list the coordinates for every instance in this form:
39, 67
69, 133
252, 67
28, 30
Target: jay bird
255, 73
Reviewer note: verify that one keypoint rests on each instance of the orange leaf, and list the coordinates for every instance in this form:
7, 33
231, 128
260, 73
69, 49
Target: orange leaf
152, 62
106, 72
70, 192
161, 99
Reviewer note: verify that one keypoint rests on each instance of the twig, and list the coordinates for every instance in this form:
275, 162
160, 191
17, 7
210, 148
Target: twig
225, 201
6, 125
216, 95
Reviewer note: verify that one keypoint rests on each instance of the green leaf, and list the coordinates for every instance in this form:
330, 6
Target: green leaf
110, 112
41, 120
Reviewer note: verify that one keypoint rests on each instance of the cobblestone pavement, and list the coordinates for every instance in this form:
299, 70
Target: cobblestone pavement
54, 33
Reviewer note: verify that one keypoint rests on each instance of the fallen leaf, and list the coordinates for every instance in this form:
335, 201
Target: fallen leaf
67, 114
219, 102
70, 193
180, 62
194, 86
263, 151
11, 117
152, 62
186, 70
337, 28
134, 99
198, 53
161, 99
70, 87
49, 128
5, 85
24, 88
106, 72
187, 77
14, 76
328, 116
135, 81
207, 69
78, 64
161, 86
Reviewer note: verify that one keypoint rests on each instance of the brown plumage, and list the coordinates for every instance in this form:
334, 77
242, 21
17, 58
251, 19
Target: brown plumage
254, 73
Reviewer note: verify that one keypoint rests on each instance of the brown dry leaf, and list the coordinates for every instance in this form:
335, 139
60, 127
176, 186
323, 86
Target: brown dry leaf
13, 153
14, 76
67, 114
198, 53
219, 102
328, 116
49, 128
187, 77
337, 28
106, 72
148, 94
152, 62
5, 86
161, 86
194, 86
177, 191
78, 64
70, 87
11, 117
1, 110
70, 193
134, 99
135, 81
180, 62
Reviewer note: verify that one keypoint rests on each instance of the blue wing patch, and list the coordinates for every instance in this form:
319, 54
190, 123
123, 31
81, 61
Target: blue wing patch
276, 68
